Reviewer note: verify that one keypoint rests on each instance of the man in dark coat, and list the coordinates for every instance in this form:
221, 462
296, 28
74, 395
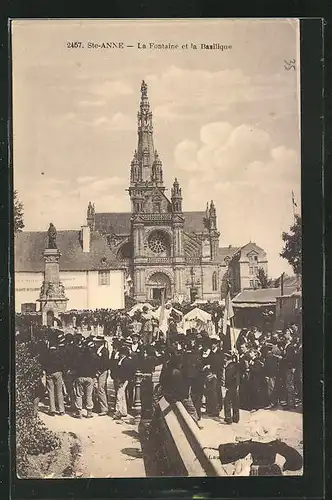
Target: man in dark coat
231, 382
146, 363
53, 363
217, 365
271, 370
175, 385
102, 362
122, 372
85, 369
288, 364
192, 368
257, 382
244, 369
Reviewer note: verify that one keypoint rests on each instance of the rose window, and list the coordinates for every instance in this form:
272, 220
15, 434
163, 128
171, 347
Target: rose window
157, 243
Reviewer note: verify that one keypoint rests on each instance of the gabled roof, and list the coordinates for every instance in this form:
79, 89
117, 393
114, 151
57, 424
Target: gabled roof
30, 245
119, 222
249, 247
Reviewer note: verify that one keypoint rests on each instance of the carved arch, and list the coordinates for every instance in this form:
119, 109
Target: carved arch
161, 270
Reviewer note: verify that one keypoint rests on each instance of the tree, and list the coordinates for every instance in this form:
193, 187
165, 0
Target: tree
18, 214
263, 279
292, 250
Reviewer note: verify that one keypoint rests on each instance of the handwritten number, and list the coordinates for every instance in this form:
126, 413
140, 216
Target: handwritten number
290, 64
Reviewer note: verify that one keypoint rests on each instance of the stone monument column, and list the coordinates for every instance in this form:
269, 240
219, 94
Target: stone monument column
52, 295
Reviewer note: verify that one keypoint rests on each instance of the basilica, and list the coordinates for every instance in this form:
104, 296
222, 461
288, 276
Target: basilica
156, 250
165, 249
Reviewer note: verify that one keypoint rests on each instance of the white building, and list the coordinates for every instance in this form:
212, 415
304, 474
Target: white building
90, 272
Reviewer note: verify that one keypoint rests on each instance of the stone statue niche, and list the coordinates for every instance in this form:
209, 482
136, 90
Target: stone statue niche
51, 234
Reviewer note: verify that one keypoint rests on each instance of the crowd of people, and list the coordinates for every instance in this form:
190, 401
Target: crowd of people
262, 370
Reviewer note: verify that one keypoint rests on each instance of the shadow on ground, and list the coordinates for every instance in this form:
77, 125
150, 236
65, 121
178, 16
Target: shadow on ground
132, 452
131, 433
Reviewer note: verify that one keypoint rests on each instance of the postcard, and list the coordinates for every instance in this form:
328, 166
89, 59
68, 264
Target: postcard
158, 290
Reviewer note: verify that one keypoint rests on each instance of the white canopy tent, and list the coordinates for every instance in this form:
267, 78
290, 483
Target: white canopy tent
199, 319
139, 307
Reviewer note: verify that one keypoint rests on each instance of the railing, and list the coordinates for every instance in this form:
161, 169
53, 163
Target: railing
178, 445
193, 260
157, 217
159, 260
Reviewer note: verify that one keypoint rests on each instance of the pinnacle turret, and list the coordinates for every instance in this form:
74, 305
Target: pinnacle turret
213, 216
90, 216
176, 196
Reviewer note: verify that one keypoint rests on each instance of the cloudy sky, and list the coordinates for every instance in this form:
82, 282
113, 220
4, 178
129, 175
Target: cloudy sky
226, 123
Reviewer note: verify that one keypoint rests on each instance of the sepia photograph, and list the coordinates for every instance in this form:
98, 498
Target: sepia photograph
157, 247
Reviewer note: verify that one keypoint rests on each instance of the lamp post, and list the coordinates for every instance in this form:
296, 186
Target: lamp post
137, 406
193, 282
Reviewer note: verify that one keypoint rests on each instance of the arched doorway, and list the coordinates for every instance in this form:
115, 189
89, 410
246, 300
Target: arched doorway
159, 283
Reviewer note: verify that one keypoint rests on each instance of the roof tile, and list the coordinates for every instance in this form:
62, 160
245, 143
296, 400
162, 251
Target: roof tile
30, 245
119, 222
261, 295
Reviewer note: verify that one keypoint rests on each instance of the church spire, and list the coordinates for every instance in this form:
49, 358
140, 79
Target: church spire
146, 169
145, 148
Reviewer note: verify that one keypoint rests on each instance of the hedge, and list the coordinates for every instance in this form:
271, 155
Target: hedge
32, 436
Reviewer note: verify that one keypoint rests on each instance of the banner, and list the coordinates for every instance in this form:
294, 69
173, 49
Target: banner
228, 312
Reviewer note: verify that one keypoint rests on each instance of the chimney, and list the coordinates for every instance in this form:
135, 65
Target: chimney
85, 237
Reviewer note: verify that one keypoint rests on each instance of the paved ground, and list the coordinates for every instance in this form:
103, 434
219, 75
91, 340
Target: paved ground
112, 449
109, 449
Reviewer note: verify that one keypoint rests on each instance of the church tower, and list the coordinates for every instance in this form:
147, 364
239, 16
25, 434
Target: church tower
146, 171
156, 222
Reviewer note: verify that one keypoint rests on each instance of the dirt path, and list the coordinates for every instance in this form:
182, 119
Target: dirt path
109, 449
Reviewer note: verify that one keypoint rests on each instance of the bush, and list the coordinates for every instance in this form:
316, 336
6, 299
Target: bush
32, 436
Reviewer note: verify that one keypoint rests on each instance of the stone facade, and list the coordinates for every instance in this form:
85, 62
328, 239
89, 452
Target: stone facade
165, 249
52, 296
163, 254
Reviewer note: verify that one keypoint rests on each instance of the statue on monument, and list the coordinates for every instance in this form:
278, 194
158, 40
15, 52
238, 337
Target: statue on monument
51, 233
91, 210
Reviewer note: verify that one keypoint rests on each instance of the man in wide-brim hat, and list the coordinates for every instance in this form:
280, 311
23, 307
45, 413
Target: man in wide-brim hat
230, 383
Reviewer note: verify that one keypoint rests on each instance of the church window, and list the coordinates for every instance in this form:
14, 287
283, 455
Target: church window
251, 283
251, 270
214, 281
103, 278
157, 243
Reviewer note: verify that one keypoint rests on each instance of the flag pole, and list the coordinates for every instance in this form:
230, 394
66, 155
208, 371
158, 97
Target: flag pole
294, 205
231, 333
